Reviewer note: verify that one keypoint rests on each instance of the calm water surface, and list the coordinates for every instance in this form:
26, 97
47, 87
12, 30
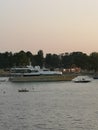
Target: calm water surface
49, 106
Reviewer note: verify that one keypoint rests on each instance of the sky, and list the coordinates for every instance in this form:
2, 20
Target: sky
54, 26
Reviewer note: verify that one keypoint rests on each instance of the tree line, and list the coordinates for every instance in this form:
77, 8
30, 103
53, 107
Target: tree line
65, 60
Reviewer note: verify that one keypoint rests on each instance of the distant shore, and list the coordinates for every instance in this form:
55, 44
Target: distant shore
69, 75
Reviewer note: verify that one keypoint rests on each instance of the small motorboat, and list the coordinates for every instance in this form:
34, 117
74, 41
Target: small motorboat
23, 90
82, 79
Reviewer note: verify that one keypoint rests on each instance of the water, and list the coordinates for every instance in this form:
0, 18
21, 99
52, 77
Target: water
49, 106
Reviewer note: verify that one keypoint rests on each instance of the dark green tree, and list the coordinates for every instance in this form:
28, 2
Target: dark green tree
94, 61
52, 60
66, 60
39, 58
21, 59
79, 59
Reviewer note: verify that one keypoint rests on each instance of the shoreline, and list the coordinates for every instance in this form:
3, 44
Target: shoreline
68, 76
42, 78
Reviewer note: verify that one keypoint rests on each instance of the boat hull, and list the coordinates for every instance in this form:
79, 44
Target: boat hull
82, 81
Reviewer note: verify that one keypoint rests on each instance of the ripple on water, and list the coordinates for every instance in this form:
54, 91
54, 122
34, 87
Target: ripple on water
54, 106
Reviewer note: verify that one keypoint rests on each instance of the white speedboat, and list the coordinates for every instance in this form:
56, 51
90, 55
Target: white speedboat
82, 79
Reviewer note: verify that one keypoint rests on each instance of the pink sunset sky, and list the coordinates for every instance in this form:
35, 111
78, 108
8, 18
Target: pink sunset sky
54, 26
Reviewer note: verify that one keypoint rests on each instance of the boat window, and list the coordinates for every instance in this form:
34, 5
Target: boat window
23, 70
18, 70
45, 70
29, 71
34, 70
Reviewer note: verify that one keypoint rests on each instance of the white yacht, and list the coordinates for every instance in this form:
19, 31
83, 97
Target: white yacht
31, 73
